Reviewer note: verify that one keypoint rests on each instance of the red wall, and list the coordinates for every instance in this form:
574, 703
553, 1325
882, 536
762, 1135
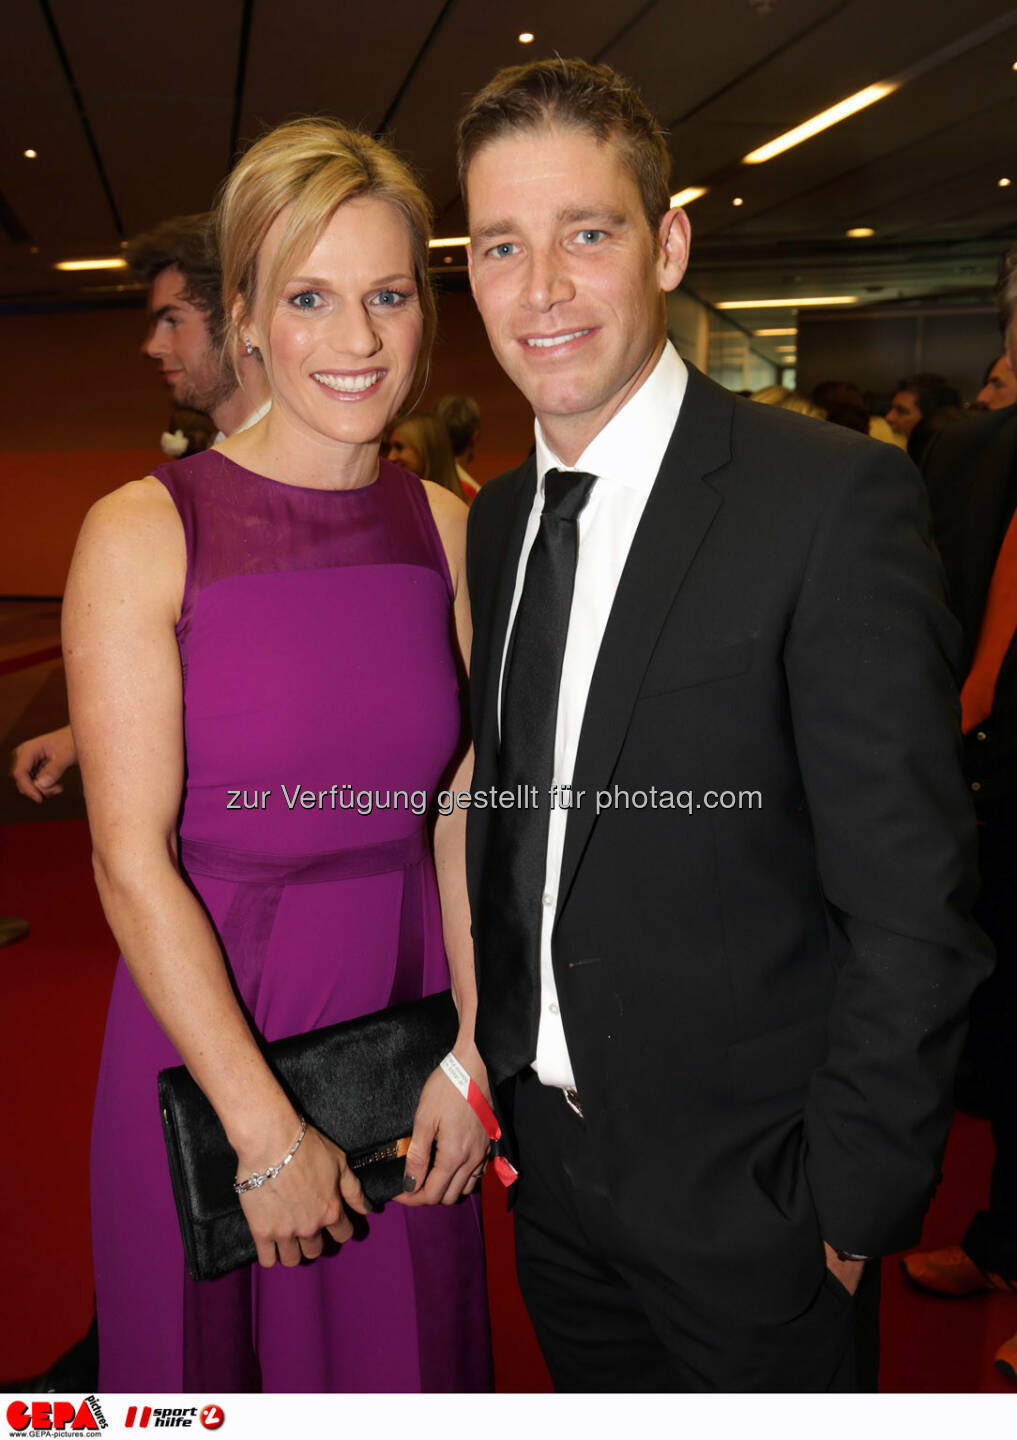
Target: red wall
81, 412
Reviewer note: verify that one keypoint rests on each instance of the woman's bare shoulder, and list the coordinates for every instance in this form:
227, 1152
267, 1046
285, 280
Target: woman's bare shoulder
139, 503
133, 537
139, 514
449, 514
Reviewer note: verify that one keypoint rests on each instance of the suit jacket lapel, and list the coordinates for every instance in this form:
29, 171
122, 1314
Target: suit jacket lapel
678, 513
489, 645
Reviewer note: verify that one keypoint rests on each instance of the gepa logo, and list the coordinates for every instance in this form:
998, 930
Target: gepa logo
42, 1417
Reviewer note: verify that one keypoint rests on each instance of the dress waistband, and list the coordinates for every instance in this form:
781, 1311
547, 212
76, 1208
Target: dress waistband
221, 862
246, 929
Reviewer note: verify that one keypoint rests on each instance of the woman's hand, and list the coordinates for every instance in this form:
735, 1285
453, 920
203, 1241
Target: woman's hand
444, 1119
311, 1194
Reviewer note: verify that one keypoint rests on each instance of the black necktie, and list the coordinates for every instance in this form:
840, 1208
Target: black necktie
509, 933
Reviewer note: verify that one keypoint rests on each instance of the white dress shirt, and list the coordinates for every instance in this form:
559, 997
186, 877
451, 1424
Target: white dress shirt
625, 456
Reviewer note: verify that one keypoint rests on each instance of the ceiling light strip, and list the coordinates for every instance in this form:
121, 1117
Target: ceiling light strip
833, 116
791, 303
686, 196
113, 263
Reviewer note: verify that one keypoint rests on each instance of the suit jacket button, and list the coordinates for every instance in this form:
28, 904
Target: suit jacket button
976, 785
980, 735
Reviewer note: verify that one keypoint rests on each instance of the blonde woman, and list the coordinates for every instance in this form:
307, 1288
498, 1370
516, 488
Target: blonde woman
421, 444
254, 635
784, 399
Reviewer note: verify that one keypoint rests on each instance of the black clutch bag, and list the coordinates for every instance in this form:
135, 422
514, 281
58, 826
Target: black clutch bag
358, 1083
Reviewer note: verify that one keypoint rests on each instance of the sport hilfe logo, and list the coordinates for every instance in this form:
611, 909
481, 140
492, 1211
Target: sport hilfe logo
212, 1417
45, 1416
162, 1416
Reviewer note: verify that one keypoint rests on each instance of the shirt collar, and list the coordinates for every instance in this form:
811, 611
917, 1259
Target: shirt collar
630, 448
252, 419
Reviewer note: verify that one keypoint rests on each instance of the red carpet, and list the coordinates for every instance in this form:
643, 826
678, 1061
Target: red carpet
933, 1345
56, 986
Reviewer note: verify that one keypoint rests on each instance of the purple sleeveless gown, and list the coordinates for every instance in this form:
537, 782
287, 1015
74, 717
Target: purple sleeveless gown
315, 644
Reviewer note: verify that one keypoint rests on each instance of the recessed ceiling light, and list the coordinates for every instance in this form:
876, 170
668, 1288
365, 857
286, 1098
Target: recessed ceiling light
860, 232
796, 302
31, 154
686, 196
118, 263
820, 122
526, 38
767, 333
737, 200
1003, 182
442, 243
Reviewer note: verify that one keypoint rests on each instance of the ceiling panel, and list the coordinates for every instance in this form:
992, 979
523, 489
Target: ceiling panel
157, 83
301, 62
890, 193
158, 88
894, 195
862, 43
476, 40
879, 151
58, 197
683, 55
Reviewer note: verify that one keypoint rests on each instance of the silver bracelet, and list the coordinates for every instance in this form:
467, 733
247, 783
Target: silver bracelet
258, 1177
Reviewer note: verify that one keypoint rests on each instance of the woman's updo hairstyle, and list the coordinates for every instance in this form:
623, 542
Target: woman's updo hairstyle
312, 166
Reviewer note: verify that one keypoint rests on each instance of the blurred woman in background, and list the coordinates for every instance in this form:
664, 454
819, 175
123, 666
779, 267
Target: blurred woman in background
421, 444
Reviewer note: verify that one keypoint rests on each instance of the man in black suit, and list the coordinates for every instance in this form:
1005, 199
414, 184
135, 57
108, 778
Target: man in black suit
722, 978
971, 472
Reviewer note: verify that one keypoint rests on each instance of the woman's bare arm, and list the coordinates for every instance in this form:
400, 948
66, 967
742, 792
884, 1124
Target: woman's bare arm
443, 1114
125, 690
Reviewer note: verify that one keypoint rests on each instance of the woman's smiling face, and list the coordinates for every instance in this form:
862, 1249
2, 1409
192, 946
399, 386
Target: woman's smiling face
340, 340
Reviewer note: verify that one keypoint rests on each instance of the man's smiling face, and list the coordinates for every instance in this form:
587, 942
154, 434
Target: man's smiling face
567, 275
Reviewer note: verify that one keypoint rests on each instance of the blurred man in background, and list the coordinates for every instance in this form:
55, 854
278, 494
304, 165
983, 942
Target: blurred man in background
999, 388
180, 261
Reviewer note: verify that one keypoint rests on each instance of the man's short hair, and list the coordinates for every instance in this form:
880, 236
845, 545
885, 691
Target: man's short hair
461, 415
931, 392
574, 95
189, 243
1006, 289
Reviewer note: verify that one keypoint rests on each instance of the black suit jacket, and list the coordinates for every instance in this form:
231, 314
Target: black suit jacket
763, 1006
971, 472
